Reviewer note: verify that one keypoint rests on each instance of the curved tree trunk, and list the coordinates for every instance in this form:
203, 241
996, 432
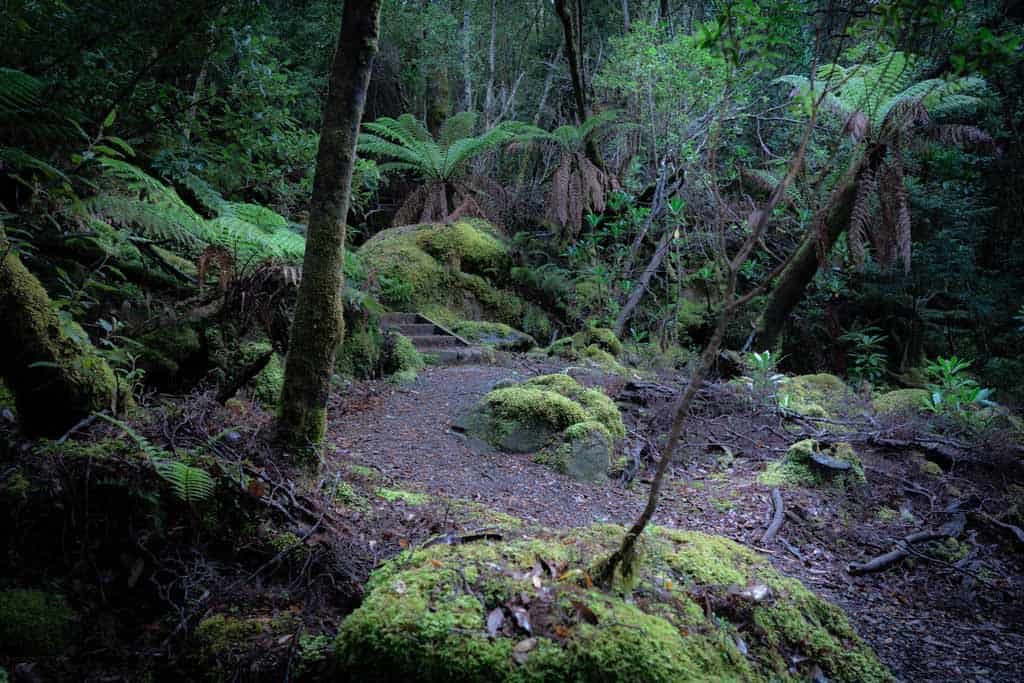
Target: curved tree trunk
54, 372
793, 281
318, 326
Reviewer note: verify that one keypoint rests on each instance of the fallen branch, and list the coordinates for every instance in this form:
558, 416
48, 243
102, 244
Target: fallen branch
902, 547
244, 377
777, 517
1013, 529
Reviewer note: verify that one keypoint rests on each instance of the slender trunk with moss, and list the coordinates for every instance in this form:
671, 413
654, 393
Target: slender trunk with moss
55, 374
793, 282
573, 33
317, 328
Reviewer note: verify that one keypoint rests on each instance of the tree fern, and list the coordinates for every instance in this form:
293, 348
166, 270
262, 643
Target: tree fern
441, 163
883, 107
191, 485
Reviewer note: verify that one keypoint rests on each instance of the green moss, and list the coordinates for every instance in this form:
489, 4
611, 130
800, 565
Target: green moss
46, 359
495, 335
531, 406
886, 514
796, 468
403, 362
166, 353
410, 277
692, 314
34, 623
409, 497
425, 614
604, 411
470, 242
367, 473
563, 348
14, 488
821, 395
362, 347
930, 468
901, 401
290, 544
266, 386
601, 337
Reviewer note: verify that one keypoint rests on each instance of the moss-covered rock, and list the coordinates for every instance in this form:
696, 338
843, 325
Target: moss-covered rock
820, 395
900, 402
496, 335
362, 346
449, 273
402, 362
576, 427
34, 623
704, 609
601, 337
798, 468
173, 357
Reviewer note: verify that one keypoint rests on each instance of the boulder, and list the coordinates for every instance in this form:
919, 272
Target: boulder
701, 608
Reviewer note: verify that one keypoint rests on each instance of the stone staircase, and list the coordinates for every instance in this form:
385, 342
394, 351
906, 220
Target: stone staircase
432, 339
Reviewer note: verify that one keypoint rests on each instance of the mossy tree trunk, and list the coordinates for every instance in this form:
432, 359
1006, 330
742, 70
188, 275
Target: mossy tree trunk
49, 364
792, 284
318, 325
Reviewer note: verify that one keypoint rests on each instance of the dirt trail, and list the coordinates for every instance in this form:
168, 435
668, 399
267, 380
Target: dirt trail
408, 437
919, 619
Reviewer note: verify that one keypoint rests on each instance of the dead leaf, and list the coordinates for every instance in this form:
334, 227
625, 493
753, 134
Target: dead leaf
403, 543
436, 562
495, 620
587, 581
584, 612
561, 632
537, 581
521, 651
399, 587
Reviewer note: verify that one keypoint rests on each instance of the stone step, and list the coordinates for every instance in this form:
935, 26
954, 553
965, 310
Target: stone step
435, 341
400, 318
414, 329
455, 355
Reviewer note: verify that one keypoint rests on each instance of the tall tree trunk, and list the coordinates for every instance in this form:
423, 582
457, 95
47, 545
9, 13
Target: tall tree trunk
318, 325
489, 104
625, 16
573, 32
794, 279
573, 58
467, 63
55, 374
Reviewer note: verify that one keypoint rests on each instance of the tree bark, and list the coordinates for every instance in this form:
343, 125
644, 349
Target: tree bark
573, 58
793, 282
318, 325
50, 366
467, 63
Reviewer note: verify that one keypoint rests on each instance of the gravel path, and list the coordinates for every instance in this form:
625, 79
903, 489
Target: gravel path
408, 437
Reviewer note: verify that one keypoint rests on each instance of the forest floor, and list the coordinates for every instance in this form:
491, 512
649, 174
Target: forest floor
929, 618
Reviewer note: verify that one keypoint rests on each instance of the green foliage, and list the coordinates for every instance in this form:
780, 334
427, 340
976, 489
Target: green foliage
867, 356
34, 623
441, 163
952, 390
761, 377
190, 484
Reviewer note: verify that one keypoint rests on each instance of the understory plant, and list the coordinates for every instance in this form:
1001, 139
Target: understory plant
449, 189
867, 355
952, 391
761, 377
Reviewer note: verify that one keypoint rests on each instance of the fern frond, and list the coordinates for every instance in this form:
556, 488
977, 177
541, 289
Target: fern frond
861, 216
189, 484
459, 126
